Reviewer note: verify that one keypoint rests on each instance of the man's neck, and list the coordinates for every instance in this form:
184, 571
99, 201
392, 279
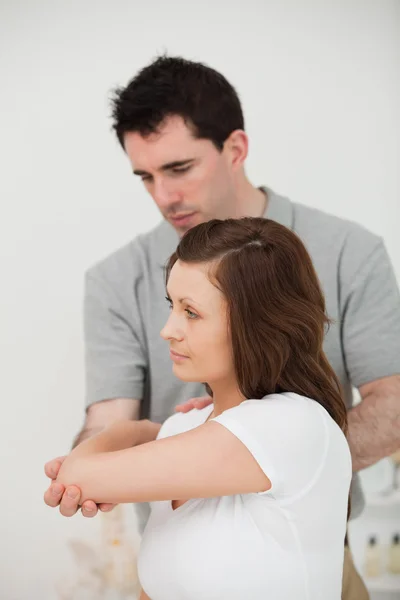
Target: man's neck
251, 201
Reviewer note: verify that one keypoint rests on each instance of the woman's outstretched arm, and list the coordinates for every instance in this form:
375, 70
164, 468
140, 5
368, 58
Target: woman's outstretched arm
207, 461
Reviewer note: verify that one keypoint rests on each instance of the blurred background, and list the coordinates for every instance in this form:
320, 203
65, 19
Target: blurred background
319, 82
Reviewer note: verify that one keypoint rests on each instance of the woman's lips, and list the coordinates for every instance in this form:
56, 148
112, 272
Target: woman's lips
178, 357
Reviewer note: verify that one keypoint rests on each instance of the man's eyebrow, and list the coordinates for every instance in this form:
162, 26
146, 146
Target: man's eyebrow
167, 166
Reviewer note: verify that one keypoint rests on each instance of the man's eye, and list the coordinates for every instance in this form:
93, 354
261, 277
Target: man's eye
181, 170
191, 314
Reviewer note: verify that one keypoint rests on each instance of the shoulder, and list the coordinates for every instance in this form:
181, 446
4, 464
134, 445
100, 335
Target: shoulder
288, 416
123, 258
181, 422
291, 437
340, 247
285, 403
140, 255
323, 227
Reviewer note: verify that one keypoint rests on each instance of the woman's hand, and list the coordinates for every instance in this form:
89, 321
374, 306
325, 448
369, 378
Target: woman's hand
68, 499
117, 436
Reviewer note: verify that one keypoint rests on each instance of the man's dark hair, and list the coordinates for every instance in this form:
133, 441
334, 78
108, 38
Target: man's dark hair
171, 86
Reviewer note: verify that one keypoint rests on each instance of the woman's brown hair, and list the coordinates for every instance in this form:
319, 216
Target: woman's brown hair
276, 308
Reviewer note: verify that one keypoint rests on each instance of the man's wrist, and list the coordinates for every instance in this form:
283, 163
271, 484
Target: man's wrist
85, 434
118, 435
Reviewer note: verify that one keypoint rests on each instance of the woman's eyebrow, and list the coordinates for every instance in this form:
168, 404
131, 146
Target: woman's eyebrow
180, 300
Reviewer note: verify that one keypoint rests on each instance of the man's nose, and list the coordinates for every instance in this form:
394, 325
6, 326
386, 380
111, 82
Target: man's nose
165, 194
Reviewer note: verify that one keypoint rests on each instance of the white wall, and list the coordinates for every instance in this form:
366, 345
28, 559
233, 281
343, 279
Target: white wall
320, 87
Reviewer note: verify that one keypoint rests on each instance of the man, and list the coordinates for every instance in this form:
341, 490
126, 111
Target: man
181, 126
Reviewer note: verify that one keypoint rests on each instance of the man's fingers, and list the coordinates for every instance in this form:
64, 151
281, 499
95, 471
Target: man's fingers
89, 509
53, 494
198, 403
70, 501
202, 402
52, 467
184, 408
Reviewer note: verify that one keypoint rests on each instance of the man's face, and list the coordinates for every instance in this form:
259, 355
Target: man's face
189, 179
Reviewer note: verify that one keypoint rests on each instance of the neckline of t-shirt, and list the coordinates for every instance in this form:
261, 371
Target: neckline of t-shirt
207, 411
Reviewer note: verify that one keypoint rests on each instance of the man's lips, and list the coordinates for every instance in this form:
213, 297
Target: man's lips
181, 217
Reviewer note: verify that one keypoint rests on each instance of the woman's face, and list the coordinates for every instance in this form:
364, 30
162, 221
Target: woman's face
197, 328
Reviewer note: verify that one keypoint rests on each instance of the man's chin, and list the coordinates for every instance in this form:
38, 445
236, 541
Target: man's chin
183, 225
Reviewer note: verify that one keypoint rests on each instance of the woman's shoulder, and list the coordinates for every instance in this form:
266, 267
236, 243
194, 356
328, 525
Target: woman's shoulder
302, 415
181, 422
283, 403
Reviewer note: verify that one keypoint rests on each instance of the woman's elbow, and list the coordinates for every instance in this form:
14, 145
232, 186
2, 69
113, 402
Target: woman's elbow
86, 473
72, 472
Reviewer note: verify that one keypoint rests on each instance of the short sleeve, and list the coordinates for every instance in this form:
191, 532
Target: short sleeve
288, 437
114, 356
173, 425
371, 319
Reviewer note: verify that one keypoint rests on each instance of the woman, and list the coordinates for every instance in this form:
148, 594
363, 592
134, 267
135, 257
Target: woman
250, 494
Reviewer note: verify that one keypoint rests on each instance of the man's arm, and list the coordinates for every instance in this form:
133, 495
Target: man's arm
374, 424
370, 328
103, 414
120, 435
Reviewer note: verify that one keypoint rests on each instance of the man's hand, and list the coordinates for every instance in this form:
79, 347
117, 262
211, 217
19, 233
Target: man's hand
198, 403
68, 498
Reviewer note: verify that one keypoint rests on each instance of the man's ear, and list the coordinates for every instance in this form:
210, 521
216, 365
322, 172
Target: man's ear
237, 148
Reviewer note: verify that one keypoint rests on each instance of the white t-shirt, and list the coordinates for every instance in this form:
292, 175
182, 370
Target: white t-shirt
283, 544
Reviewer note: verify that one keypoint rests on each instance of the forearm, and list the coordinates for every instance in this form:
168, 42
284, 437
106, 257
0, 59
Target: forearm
374, 427
118, 436
84, 434
94, 464
106, 477
104, 413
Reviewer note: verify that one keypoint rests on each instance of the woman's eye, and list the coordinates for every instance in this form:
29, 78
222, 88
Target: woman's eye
169, 302
191, 314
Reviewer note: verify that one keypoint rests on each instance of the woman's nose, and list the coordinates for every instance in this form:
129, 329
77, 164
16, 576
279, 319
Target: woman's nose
171, 329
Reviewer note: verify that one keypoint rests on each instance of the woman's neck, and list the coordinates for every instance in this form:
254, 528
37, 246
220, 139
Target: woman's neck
225, 396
